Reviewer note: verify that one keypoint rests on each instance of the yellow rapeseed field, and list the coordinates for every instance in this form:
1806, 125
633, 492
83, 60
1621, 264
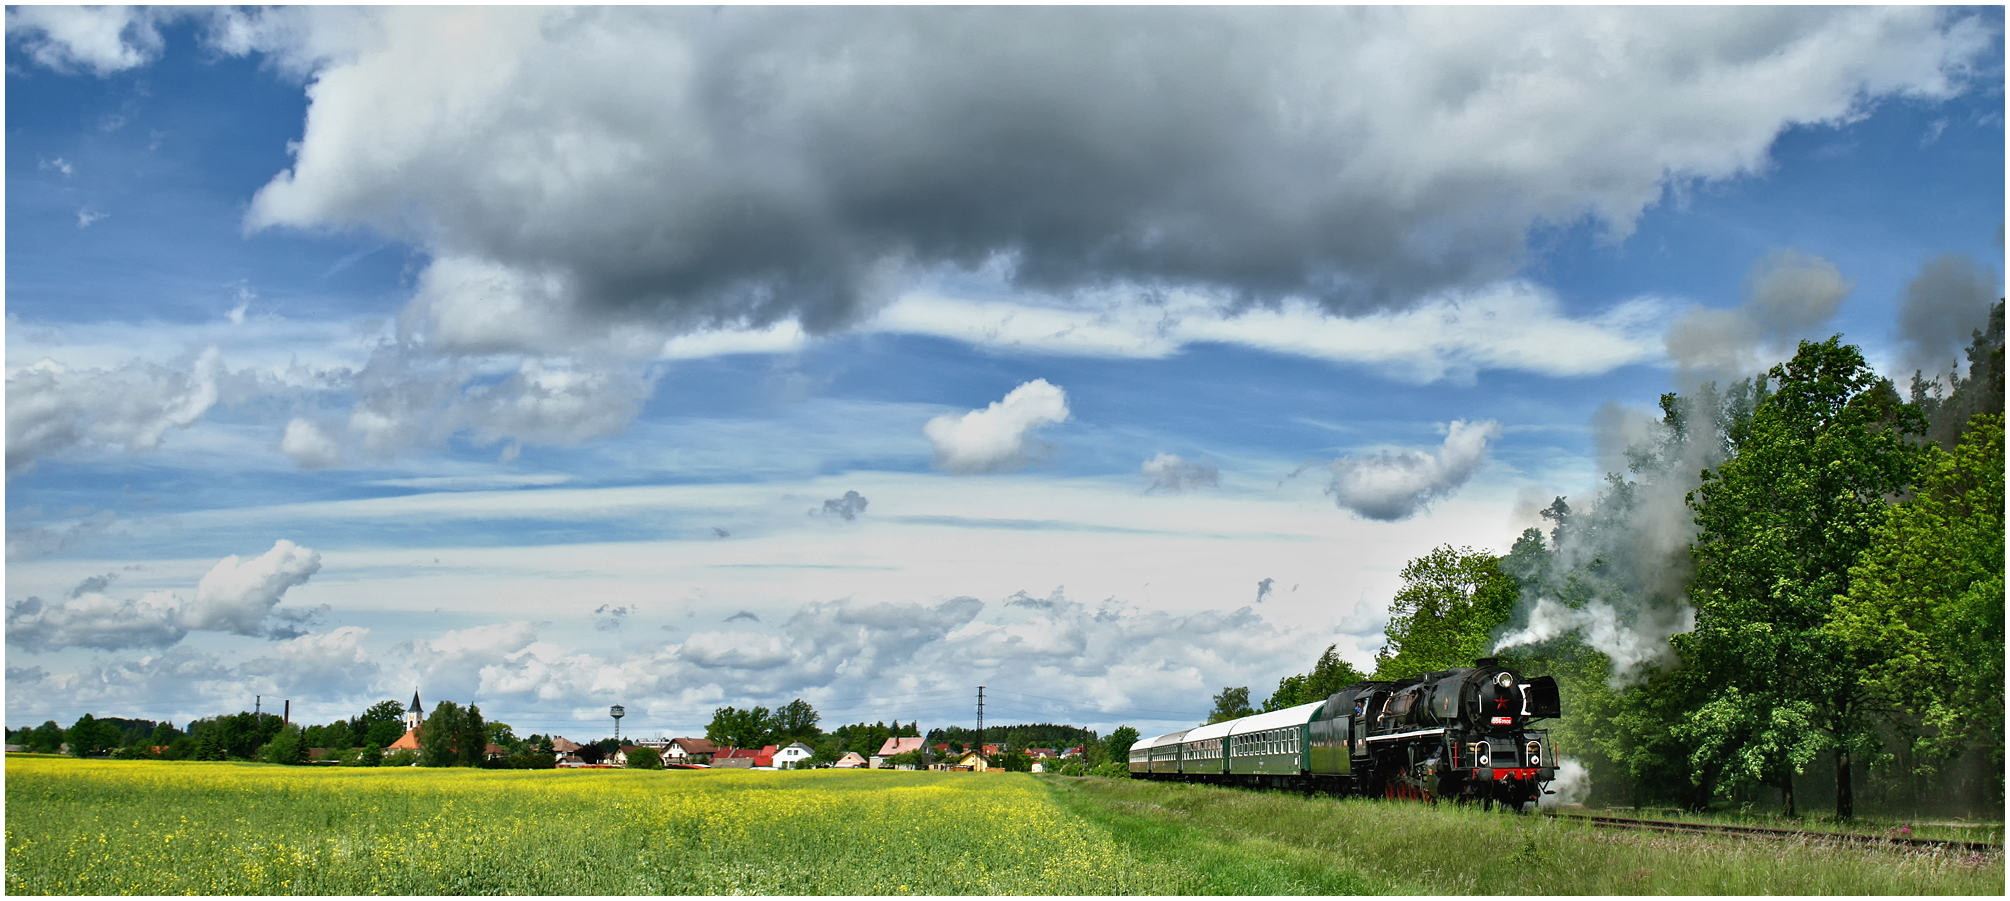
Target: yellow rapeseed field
146, 827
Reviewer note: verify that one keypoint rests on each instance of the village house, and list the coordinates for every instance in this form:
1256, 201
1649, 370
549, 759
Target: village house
745, 758
795, 756
850, 760
972, 762
895, 746
567, 752
689, 751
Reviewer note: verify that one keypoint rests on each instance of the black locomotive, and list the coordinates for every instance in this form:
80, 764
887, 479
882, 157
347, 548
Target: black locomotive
1458, 734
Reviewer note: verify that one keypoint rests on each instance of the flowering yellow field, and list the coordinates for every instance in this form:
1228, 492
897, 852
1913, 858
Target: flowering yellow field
148, 827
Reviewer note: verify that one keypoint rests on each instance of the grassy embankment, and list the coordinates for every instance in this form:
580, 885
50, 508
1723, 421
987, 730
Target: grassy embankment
104, 827
1445, 850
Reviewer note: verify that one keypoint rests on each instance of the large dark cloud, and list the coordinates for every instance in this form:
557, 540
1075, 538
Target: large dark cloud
568, 169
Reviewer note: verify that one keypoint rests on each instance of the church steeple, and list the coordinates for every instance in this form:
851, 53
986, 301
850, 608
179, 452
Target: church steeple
414, 715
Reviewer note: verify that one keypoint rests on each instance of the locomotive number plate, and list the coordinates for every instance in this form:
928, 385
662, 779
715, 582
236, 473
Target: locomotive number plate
1503, 721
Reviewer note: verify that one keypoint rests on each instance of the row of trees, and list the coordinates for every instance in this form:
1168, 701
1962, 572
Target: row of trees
1839, 607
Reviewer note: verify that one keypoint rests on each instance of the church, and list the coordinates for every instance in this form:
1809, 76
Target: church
414, 715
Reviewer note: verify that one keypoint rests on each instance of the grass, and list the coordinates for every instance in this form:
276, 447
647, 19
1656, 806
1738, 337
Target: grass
1407, 848
147, 827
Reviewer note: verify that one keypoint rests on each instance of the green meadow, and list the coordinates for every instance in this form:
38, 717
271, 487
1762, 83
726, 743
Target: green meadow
147, 827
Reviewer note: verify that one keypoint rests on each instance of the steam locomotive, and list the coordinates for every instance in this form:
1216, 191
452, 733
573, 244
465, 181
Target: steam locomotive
1459, 734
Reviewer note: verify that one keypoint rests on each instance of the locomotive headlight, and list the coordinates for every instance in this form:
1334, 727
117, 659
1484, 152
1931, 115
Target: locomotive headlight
1485, 756
1504, 680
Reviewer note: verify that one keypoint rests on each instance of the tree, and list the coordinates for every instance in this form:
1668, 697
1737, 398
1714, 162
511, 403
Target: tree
645, 759
382, 724
471, 738
1925, 602
45, 739
796, 721
501, 734
1980, 393
1232, 703
371, 756
1329, 674
90, 736
1779, 526
733, 727
1445, 615
441, 734
288, 747
1117, 747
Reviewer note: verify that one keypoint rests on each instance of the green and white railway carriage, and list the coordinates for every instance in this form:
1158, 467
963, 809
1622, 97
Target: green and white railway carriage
1157, 756
1204, 750
1273, 744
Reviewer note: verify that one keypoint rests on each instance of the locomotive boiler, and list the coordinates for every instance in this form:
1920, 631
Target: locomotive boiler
1461, 734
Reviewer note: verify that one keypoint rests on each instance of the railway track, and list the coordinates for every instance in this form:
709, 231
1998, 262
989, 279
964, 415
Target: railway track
1763, 832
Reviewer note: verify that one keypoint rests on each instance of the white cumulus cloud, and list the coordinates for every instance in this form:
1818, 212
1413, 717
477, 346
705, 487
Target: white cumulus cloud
239, 595
1396, 484
52, 408
995, 439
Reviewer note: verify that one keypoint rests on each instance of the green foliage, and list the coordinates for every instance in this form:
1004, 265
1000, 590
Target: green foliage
402, 757
89, 736
1112, 769
795, 721
371, 756
1444, 616
335, 735
1329, 674
1981, 393
1780, 525
1117, 748
502, 734
645, 759
288, 747
471, 738
441, 738
1232, 703
1925, 603
733, 727
44, 739
382, 724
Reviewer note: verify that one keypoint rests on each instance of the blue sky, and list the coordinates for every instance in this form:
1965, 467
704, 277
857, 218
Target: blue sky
526, 357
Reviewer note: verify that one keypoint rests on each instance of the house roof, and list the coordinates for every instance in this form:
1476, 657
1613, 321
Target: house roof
407, 742
695, 745
851, 758
899, 746
562, 746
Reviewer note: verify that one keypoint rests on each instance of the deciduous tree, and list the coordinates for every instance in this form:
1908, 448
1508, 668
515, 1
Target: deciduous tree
1925, 602
1444, 616
1232, 703
1329, 674
1780, 525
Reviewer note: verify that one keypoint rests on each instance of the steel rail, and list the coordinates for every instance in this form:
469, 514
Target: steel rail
1723, 829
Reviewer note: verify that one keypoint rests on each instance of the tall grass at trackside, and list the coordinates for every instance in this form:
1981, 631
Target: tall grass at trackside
149, 827
1411, 848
